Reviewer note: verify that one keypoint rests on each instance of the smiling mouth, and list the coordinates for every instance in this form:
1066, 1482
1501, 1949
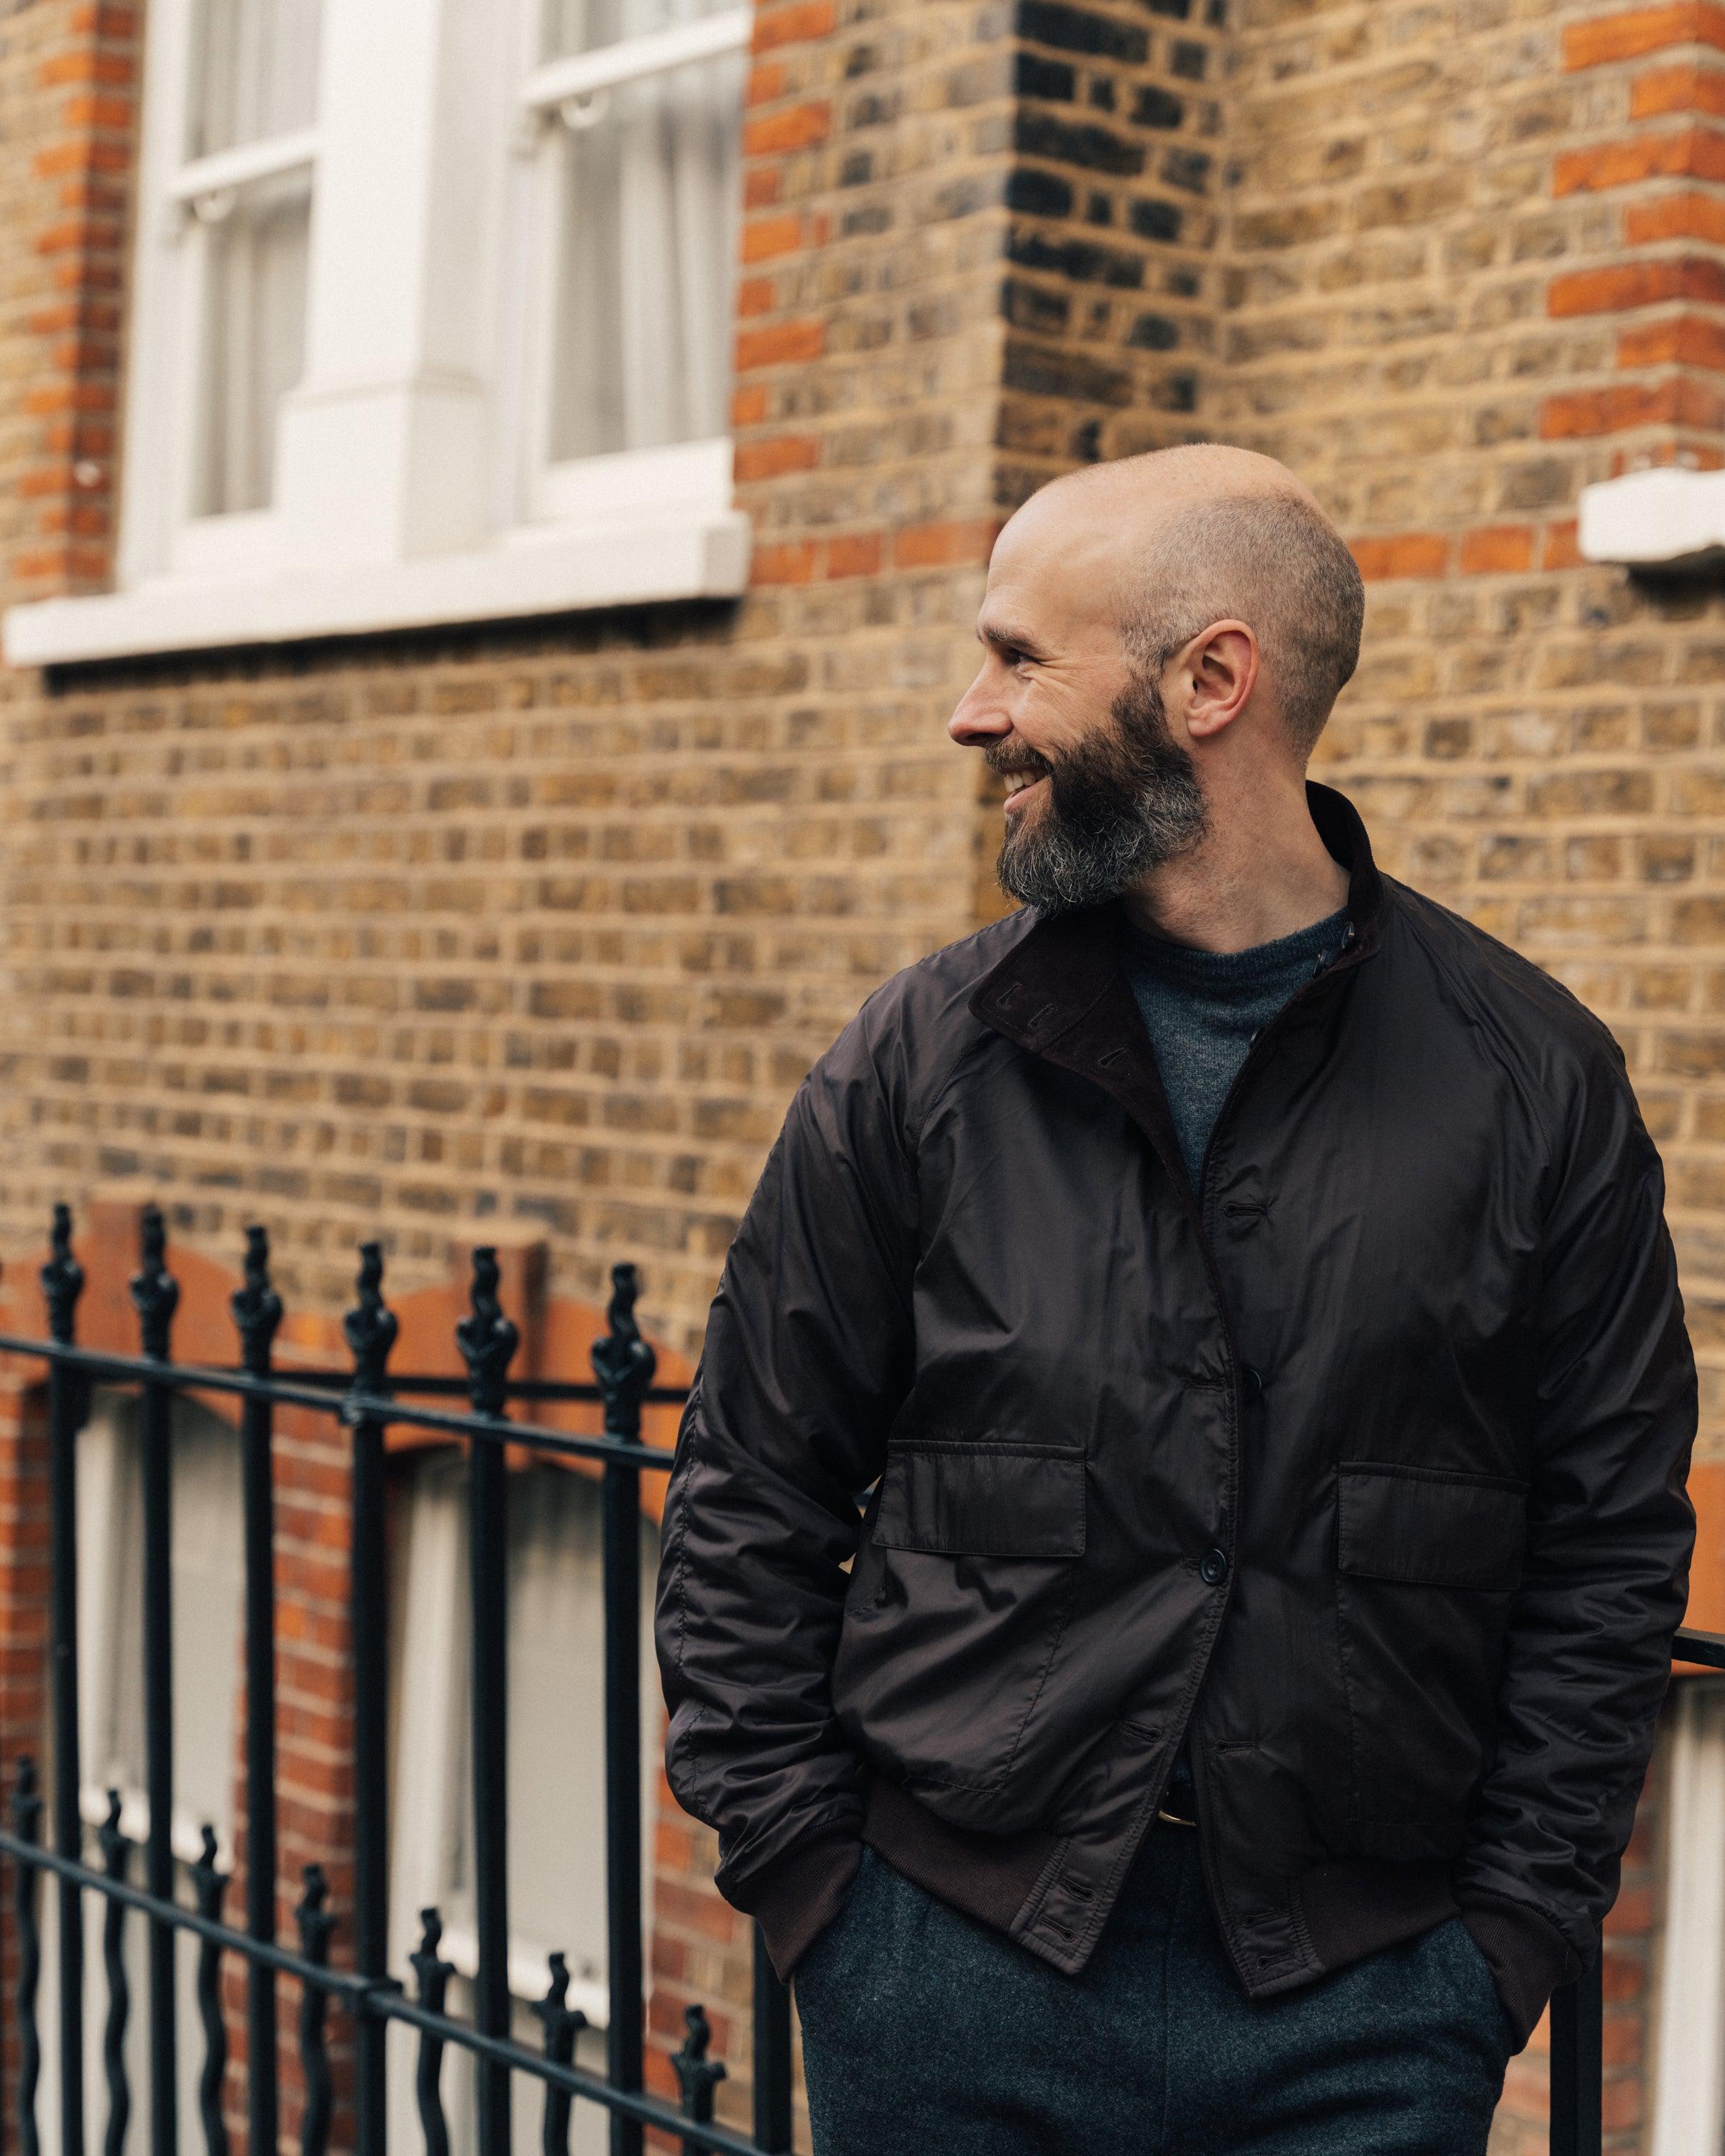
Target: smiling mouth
1019, 784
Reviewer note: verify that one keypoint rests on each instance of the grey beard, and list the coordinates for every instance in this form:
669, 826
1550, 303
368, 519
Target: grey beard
1120, 804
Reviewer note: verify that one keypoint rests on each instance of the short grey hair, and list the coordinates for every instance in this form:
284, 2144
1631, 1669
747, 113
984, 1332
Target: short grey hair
1273, 561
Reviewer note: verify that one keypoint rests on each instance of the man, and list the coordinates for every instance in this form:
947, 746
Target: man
1242, 1287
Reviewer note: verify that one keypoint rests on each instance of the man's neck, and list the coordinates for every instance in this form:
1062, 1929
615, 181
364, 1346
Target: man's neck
1252, 879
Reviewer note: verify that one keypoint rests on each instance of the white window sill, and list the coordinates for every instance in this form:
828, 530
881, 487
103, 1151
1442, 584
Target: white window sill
1668, 516
688, 555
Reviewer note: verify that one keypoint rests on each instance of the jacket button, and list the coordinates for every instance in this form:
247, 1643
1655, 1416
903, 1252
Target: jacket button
1251, 1383
1212, 1567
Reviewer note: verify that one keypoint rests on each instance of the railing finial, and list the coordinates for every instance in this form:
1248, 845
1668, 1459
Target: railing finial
369, 1326
562, 2024
697, 2074
256, 1306
623, 1361
155, 1291
62, 1278
487, 1339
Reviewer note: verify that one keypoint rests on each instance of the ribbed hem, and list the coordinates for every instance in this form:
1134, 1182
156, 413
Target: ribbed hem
1529, 1959
794, 1900
989, 1876
1357, 1905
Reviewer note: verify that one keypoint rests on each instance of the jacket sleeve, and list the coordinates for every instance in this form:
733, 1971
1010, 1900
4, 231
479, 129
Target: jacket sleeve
808, 1355
1605, 1569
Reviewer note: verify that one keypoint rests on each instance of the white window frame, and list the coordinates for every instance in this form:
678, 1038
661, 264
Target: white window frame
410, 485
181, 200
1688, 2051
556, 95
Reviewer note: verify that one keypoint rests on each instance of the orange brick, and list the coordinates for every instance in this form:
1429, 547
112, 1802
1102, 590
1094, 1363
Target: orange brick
769, 80
854, 554
748, 404
87, 110
797, 127
1688, 153
755, 296
783, 342
776, 454
1686, 216
1495, 548
788, 563
929, 546
1402, 554
761, 184
803, 21
85, 66
1561, 550
1686, 340
1683, 89
1636, 285
1582, 412
765, 236
1629, 34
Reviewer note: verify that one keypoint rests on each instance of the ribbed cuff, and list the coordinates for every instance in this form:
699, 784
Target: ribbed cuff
1529, 1958
794, 1900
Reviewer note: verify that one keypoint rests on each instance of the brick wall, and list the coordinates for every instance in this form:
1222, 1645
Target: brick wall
533, 930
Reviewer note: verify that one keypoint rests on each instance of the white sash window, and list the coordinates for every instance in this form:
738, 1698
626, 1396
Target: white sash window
641, 104
431, 319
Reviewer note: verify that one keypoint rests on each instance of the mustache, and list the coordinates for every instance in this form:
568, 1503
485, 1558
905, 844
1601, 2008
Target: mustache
1001, 757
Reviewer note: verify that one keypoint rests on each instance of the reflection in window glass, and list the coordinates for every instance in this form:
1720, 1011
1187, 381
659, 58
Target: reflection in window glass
254, 72
642, 326
254, 339
580, 26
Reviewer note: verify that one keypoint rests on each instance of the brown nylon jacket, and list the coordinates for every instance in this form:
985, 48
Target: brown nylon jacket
1361, 1467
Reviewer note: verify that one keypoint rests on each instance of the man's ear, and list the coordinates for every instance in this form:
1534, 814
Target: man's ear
1219, 671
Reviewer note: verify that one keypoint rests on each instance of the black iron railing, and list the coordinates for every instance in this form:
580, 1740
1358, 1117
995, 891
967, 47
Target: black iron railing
367, 1401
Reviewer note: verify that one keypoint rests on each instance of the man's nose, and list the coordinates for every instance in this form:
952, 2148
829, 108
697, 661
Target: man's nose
980, 715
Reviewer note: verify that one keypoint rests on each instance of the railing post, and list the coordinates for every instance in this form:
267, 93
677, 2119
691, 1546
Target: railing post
256, 1313
370, 1329
488, 1340
154, 1294
26, 1825
772, 2055
62, 1284
1577, 2064
624, 1364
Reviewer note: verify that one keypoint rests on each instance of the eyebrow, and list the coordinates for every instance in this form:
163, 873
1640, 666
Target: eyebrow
1006, 634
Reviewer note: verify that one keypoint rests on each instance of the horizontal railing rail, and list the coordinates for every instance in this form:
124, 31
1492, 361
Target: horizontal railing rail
366, 1401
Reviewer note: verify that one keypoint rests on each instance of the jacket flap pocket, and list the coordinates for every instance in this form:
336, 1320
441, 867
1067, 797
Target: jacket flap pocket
1430, 1526
983, 1499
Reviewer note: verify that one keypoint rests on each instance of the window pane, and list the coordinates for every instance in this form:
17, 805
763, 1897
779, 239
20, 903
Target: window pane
254, 339
208, 1581
255, 72
578, 26
642, 323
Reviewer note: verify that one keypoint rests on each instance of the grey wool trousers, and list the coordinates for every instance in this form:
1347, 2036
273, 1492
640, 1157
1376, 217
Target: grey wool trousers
926, 2033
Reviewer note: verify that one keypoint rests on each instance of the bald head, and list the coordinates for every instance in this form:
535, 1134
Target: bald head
1175, 540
